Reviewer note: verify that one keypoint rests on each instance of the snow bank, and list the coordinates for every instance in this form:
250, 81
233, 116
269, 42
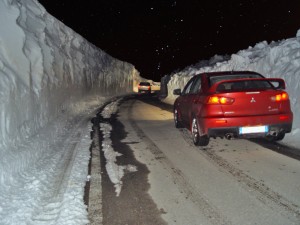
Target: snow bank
45, 67
277, 59
48, 72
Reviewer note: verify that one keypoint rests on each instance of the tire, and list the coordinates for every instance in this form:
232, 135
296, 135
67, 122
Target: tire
197, 139
178, 123
280, 136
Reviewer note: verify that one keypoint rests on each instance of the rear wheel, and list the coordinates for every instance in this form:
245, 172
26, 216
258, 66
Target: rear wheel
197, 139
177, 121
280, 136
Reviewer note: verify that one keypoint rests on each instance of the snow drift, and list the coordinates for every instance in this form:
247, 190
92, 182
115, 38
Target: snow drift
46, 68
49, 76
277, 59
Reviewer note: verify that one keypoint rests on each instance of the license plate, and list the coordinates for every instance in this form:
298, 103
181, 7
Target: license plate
253, 130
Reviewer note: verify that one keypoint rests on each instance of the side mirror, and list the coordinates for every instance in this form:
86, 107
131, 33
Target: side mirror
177, 91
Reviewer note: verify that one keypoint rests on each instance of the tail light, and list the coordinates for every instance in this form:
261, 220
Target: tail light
216, 100
220, 121
280, 97
284, 117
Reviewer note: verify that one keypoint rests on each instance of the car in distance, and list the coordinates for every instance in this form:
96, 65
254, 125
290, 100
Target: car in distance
233, 104
144, 87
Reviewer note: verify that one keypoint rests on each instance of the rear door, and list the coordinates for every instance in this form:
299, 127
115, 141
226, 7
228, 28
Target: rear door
192, 100
183, 104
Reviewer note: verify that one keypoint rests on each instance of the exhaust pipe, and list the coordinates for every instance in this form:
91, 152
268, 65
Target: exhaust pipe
229, 136
274, 133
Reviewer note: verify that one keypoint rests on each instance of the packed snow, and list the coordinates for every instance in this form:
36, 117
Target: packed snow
114, 171
52, 83
276, 59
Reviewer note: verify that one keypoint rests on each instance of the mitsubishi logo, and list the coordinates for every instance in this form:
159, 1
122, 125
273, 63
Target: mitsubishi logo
252, 100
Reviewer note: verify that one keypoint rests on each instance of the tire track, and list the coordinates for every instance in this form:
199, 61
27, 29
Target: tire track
262, 192
211, 212
64, 158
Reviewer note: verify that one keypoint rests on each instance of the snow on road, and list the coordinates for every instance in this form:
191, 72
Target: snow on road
49, 75
115, 171
227, 182
51, 190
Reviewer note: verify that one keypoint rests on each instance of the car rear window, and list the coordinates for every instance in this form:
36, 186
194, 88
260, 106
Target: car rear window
215, 79
145, 84
245, 85
240, 85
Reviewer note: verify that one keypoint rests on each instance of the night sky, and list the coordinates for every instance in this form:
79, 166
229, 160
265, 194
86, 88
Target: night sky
160, 36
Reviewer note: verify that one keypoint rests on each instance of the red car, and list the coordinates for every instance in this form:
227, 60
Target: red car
233, 104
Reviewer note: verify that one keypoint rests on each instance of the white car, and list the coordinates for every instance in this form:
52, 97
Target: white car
144, 87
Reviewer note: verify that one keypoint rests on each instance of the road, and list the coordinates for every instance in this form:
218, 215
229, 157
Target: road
228, 182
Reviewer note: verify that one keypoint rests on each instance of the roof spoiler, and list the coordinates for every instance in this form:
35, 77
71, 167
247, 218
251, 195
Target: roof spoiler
278, 83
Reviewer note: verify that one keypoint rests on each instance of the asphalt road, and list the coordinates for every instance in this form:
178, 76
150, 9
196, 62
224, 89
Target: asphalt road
228, 182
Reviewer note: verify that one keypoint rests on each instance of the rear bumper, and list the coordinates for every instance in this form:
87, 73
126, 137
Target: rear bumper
144, 91
273, 130
219, 127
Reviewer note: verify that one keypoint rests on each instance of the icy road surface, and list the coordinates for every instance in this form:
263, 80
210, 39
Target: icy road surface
228, 182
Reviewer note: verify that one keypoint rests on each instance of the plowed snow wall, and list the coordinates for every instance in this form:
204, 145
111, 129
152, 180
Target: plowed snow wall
45, 68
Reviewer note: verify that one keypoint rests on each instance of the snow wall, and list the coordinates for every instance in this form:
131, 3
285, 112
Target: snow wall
46, 68
277, 59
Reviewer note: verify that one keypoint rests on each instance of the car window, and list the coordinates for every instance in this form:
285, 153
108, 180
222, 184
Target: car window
187, 87
245, 85
195, 88
215, 79
144, 83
